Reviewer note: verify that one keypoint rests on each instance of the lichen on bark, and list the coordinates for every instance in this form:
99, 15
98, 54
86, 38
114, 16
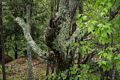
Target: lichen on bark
26, 29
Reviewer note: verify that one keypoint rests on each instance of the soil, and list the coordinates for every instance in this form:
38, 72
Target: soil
17, 69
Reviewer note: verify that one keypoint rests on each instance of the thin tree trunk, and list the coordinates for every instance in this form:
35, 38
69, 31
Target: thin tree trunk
2, 44
80, 12
47, 67
16, 47
28, 8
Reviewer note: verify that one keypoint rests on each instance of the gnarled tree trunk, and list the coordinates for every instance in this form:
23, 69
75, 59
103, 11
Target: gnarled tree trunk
60, 31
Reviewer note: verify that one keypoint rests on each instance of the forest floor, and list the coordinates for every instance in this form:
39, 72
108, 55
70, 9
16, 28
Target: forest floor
17, 69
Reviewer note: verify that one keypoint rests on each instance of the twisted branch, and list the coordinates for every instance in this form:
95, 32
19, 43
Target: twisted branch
26, 29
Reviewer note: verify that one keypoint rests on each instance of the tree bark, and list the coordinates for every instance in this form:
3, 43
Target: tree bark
58, 44
2, 43
41, 53
16, 46
28, 9
80, 12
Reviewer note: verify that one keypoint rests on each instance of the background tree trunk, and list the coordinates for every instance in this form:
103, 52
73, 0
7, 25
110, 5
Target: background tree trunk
16, 46
80, 6
2, 44
28, 9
